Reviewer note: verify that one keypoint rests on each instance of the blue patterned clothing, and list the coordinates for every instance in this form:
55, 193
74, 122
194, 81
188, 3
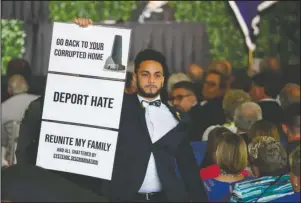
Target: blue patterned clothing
219, 191
250, 190
289, 198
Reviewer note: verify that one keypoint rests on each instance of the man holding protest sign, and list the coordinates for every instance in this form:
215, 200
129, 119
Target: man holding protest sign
151, 137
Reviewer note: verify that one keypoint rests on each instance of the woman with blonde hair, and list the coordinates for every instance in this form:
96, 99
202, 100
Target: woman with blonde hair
232, 158
269, 164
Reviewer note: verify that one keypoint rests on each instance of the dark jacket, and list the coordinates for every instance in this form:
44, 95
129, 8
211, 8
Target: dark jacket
271, 111
28, 183
26, 152
133, 151
211, 113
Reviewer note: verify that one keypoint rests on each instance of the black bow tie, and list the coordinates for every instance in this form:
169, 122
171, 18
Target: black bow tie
156, 103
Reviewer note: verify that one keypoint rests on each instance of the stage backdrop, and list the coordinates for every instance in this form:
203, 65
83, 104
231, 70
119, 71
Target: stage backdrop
181, 43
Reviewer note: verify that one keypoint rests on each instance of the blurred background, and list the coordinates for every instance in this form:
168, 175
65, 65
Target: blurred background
279, 27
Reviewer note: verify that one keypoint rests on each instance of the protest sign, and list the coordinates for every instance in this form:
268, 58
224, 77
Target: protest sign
83, 99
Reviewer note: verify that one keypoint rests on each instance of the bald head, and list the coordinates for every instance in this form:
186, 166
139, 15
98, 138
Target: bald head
246, 114
17, 84
195, 72
270, 63
175, 78
289, 94
223, 66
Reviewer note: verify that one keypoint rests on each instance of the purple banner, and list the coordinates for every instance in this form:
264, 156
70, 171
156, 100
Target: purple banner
247, 14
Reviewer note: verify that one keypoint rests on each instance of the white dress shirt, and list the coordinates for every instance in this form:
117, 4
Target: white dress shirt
159, 121
14, 107
270, 99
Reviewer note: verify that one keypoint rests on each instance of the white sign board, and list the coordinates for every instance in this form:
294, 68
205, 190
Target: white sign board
83, 99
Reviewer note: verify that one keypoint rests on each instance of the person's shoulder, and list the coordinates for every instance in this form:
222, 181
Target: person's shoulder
37, 102
129, 100
34, 107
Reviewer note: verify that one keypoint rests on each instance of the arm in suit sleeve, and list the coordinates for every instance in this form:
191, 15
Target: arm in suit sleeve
26, 151
190, 172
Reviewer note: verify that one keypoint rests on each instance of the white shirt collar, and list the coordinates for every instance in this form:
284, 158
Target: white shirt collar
268, 99
203, 103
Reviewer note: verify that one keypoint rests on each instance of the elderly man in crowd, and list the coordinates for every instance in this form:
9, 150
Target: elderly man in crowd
289, 94
185, 97
291, 126
195, 72
213, 90
233, 98
244, 117
223, 66
264, 91
16, 67
12, 111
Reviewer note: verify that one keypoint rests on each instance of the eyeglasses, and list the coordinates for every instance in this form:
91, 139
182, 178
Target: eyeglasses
210, 83
178, 97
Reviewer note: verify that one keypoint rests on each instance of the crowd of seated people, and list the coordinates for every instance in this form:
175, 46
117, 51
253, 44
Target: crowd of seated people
244, 130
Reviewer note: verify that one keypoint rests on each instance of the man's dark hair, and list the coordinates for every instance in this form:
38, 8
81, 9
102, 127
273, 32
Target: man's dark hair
292, 117
270, 81
19, 67
188, 86
128, 80
150, 54
241, 80
223, 78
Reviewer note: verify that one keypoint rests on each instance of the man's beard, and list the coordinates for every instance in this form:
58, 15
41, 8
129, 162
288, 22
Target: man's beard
142, 93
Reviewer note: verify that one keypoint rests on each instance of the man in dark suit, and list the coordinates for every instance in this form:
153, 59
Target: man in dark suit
211, 108
27, 183
151, 137
264, 91
185, 97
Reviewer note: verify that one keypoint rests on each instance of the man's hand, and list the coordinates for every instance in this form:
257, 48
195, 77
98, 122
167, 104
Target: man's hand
83, 22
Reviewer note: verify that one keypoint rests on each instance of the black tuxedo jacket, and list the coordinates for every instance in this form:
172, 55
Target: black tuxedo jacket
133, 151
28, 183
211, 113
271, 111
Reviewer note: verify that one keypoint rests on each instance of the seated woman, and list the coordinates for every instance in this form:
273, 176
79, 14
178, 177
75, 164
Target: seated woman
209, 168
294, 161
232, 158
269, 164
263, 128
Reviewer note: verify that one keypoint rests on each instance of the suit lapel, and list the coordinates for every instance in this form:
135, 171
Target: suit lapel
140, 110
174, 112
